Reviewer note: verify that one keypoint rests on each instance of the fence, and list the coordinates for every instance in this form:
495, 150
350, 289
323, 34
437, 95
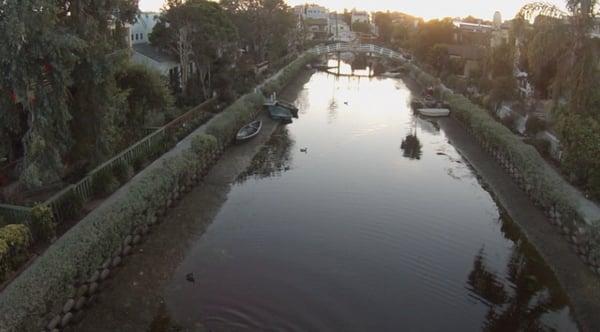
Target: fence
83, 190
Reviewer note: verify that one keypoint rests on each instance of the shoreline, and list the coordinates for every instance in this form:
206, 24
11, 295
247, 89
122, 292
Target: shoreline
581, 285
133, 300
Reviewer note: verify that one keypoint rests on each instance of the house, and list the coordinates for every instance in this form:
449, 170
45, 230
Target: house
472, 33
142, 28
317, 28
148, 55
360, 17
339, 30
311, 11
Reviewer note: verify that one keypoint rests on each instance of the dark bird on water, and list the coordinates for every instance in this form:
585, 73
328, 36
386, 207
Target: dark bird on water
190, 277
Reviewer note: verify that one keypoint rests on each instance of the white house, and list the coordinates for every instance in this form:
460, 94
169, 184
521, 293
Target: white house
312, 11
360, 16
146, 54
340, 30
140, 31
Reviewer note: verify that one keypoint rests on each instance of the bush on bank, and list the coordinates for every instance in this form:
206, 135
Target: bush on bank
40, 291
15, 241
281, 79
527, 167
82, 250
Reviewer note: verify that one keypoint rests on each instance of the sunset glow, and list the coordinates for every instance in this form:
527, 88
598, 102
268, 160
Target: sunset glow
427, 9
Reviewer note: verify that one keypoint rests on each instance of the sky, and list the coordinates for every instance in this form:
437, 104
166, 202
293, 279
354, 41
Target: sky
427, 9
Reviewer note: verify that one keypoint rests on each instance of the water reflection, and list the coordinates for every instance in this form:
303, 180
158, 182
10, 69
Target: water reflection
520, 300
273, 159
412, 147
353, 236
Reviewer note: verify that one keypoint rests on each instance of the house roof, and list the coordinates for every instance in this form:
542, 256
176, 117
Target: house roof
152, 52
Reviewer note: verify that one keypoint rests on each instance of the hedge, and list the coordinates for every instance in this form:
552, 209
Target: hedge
545, 187
283, 77
40, 291
80, 252
15, 241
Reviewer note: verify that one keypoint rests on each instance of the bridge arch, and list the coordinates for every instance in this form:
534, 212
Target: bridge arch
358, 48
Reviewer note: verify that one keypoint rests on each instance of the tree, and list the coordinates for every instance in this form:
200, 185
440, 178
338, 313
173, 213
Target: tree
265, 26
362, 27
47, 46
431, 33
198, 32
575, 64
147, 96
438, 57
386, 28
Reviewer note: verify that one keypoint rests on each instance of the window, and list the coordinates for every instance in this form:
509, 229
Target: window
136, 36
141, 36
132, 36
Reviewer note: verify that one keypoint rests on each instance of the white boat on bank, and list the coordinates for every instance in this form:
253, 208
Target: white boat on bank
434, 112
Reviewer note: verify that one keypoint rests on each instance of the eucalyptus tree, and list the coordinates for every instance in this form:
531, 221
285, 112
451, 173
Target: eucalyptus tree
198, 33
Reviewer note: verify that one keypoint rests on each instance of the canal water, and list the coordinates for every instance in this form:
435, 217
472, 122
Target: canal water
361, 216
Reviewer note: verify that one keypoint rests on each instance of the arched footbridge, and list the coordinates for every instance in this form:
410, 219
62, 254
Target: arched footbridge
358, 48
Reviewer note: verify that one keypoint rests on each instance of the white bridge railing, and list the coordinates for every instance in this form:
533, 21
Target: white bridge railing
358, 48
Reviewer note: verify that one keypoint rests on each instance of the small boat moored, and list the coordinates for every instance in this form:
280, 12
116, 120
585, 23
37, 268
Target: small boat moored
434, 112
278, 112
249, 131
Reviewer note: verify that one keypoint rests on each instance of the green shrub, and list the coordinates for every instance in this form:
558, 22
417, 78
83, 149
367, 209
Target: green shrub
123, 172
49, 281
15, 241
225, 125
283, 77
541, 145
203, 143
104, 182
72, 205
42, 224
535, 125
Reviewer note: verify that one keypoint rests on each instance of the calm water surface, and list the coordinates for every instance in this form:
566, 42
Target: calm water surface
379, 226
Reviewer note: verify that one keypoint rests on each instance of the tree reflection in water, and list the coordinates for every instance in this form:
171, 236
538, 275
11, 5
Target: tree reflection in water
412, 147
518, 301
273, 159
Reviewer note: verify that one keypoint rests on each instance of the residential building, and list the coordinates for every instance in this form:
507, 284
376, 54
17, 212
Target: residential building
146, 54
142, 52
142, 28
339, 30
312, 11
360, 16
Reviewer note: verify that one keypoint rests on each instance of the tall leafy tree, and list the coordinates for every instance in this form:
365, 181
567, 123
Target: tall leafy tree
198, 32
46, 46
265, 26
